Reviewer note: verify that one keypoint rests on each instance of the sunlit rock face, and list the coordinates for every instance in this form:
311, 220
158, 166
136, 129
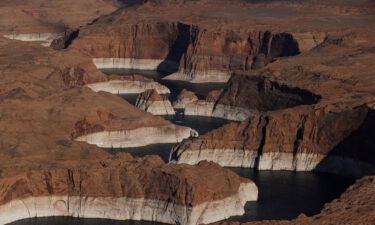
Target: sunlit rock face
128, 85
162, 196
44, 38
151, 101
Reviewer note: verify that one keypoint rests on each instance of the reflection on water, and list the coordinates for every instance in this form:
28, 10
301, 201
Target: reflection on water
286, 194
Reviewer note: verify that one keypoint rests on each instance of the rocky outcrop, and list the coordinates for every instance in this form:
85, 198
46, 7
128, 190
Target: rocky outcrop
248, 95
184, 98
128, 85
45, 171
293, 128
355, 206
157, 192
151, 101
191, 50
286, 140
143, 136
45, 38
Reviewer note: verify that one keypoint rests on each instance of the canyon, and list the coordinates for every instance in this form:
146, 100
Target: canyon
48, 170
293, 81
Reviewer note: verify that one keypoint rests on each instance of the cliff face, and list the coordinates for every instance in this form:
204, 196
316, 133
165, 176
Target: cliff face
45, 171
307, 114
297, 139
151, 101
190, 49
355, 206
187, 51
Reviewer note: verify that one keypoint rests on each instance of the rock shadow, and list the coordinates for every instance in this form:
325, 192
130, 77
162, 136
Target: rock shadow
186, 35
261, 94
355, 155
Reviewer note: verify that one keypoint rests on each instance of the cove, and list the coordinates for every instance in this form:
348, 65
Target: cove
282, 194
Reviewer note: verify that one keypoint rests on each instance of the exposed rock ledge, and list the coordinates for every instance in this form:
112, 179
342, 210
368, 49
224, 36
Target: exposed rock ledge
277, 141
127, 63
150, 101
210, 109
128, 85
189, 102
201, 76
130, 208
274, 160
45, 38
138, 137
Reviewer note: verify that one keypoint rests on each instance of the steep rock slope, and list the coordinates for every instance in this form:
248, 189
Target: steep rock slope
45, 172
331, 131
151, 101
189, 47
355, 206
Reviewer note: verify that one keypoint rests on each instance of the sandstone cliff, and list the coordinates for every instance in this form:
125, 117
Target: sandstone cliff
355, 206
188, 47
151, 101
325, 126
45, 172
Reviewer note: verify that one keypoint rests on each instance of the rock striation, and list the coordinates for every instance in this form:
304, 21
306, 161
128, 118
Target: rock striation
191, 49
130, 193
46, 39
316, 126
151, 101
45, 171
184, 98
355, 206
133, 84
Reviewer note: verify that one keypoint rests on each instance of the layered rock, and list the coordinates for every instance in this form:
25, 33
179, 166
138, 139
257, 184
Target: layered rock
260, 143
45, 38
128, 85
355, 206
157, 192
326, 134
184, 98
210, 108
45, 172
191, 50
151, 101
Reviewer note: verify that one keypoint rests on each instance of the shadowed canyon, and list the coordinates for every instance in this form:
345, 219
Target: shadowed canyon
187, 112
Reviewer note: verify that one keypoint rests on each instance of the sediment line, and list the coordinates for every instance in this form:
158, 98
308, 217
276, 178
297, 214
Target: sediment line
128, 87
139, 137
46, 38
129, 208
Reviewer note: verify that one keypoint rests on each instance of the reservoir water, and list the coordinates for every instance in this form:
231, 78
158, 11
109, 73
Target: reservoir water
282, 194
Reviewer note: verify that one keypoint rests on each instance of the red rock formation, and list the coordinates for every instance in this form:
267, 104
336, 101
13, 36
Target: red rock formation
355, 206
45, 172
322, 135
